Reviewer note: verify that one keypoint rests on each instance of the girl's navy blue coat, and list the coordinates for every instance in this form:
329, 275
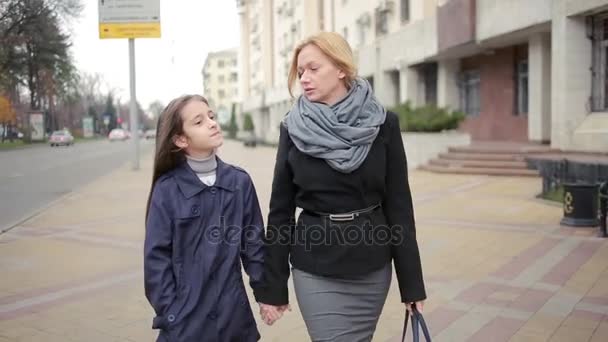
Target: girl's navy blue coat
196, 238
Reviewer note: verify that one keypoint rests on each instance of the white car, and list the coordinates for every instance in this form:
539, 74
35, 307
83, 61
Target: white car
118, 134
150, 134
59, 138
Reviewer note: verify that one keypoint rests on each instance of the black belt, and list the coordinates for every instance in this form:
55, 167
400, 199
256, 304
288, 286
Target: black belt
342, 217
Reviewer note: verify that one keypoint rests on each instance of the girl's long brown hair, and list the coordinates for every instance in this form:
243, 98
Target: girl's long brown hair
170, 125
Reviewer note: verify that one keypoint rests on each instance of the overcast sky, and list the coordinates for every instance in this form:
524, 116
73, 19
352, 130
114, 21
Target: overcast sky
165, 67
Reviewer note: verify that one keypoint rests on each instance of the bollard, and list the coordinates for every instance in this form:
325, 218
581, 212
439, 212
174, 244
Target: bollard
603, 208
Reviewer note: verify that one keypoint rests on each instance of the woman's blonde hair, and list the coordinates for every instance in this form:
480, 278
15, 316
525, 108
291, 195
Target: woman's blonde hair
333, 46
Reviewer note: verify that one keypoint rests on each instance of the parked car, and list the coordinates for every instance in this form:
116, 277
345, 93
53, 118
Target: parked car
150, 134
59, 138
118, 134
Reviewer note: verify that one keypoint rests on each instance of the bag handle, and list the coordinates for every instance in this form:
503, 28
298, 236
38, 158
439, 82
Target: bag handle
418, 322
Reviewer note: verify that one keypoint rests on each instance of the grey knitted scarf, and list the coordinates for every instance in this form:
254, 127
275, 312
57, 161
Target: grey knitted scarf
343, 133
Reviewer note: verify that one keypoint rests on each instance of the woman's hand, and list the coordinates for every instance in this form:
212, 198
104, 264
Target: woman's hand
419, 306
271, 313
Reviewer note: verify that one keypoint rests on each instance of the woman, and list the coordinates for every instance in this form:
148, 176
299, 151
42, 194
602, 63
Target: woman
341, 159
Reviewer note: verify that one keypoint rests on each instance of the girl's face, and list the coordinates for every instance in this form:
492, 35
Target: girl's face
320, 79
202, 134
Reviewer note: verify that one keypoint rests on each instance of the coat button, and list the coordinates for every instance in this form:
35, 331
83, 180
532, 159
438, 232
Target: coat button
171, 318
213, 315
195, 210
213, 190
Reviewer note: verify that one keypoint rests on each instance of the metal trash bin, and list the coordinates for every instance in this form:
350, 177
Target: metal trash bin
580, 205
603, 209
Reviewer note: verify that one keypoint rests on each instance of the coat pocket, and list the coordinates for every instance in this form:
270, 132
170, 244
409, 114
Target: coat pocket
186, 225
179, 275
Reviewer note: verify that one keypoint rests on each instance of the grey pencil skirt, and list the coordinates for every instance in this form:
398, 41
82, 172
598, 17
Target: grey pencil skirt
342, 310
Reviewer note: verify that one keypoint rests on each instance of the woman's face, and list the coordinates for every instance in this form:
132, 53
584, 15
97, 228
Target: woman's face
320, 79
202, 134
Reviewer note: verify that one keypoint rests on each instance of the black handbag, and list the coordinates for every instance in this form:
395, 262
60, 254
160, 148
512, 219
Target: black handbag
417, 324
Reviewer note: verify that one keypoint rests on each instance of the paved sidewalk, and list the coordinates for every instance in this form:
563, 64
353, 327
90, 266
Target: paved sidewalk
497, 264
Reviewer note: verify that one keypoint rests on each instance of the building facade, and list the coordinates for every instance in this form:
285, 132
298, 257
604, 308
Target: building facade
221, 82
522, 70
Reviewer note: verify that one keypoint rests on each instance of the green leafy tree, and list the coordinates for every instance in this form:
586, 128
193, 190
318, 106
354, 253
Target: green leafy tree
248, 123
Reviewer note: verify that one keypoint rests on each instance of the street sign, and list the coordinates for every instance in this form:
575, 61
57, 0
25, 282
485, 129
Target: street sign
87, 127
37, 126
129, 19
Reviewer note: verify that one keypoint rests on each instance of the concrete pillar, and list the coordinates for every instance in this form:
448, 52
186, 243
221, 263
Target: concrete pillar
570, 75
539, 87
386, 87
408, 85
447, 84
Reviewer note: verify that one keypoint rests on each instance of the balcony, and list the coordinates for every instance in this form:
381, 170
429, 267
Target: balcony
456, 24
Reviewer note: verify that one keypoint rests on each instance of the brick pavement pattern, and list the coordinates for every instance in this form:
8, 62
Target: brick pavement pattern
498, 266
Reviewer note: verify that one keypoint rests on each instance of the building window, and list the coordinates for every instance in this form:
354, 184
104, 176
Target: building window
370, 79
598, 29
405, 10
233, 77
363, 24
361, 35
220, 64
470, 102
521, 87
221, 94
381, 21
299, 30
429, 74
221, 79
345, 30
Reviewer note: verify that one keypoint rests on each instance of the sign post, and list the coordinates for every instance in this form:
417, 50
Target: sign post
130, 19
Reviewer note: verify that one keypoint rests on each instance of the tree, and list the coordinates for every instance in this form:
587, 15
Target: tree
231, 128
34, 49
248, 123
155, 109
7, 116
110, 111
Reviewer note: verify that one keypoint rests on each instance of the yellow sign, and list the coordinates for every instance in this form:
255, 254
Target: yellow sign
129, 19
133, 30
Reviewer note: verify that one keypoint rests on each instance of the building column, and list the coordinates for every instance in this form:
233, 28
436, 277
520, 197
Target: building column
408, 86
539, 88
570, 75
447, 84
386, 84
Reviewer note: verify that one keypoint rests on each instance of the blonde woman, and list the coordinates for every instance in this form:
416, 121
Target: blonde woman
341, 159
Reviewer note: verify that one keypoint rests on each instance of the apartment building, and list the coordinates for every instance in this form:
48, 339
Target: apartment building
522, 70
221, 82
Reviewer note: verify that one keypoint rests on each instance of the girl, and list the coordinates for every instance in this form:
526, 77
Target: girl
203, 218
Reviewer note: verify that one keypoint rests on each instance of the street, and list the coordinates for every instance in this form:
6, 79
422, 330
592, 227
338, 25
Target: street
32, 178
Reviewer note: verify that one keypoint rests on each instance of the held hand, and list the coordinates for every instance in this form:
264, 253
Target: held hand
270, 313
419, 306
282, 308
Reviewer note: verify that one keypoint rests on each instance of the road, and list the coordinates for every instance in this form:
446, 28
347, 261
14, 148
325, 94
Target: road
31, 178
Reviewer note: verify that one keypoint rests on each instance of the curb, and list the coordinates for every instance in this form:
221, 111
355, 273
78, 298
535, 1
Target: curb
34, 213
